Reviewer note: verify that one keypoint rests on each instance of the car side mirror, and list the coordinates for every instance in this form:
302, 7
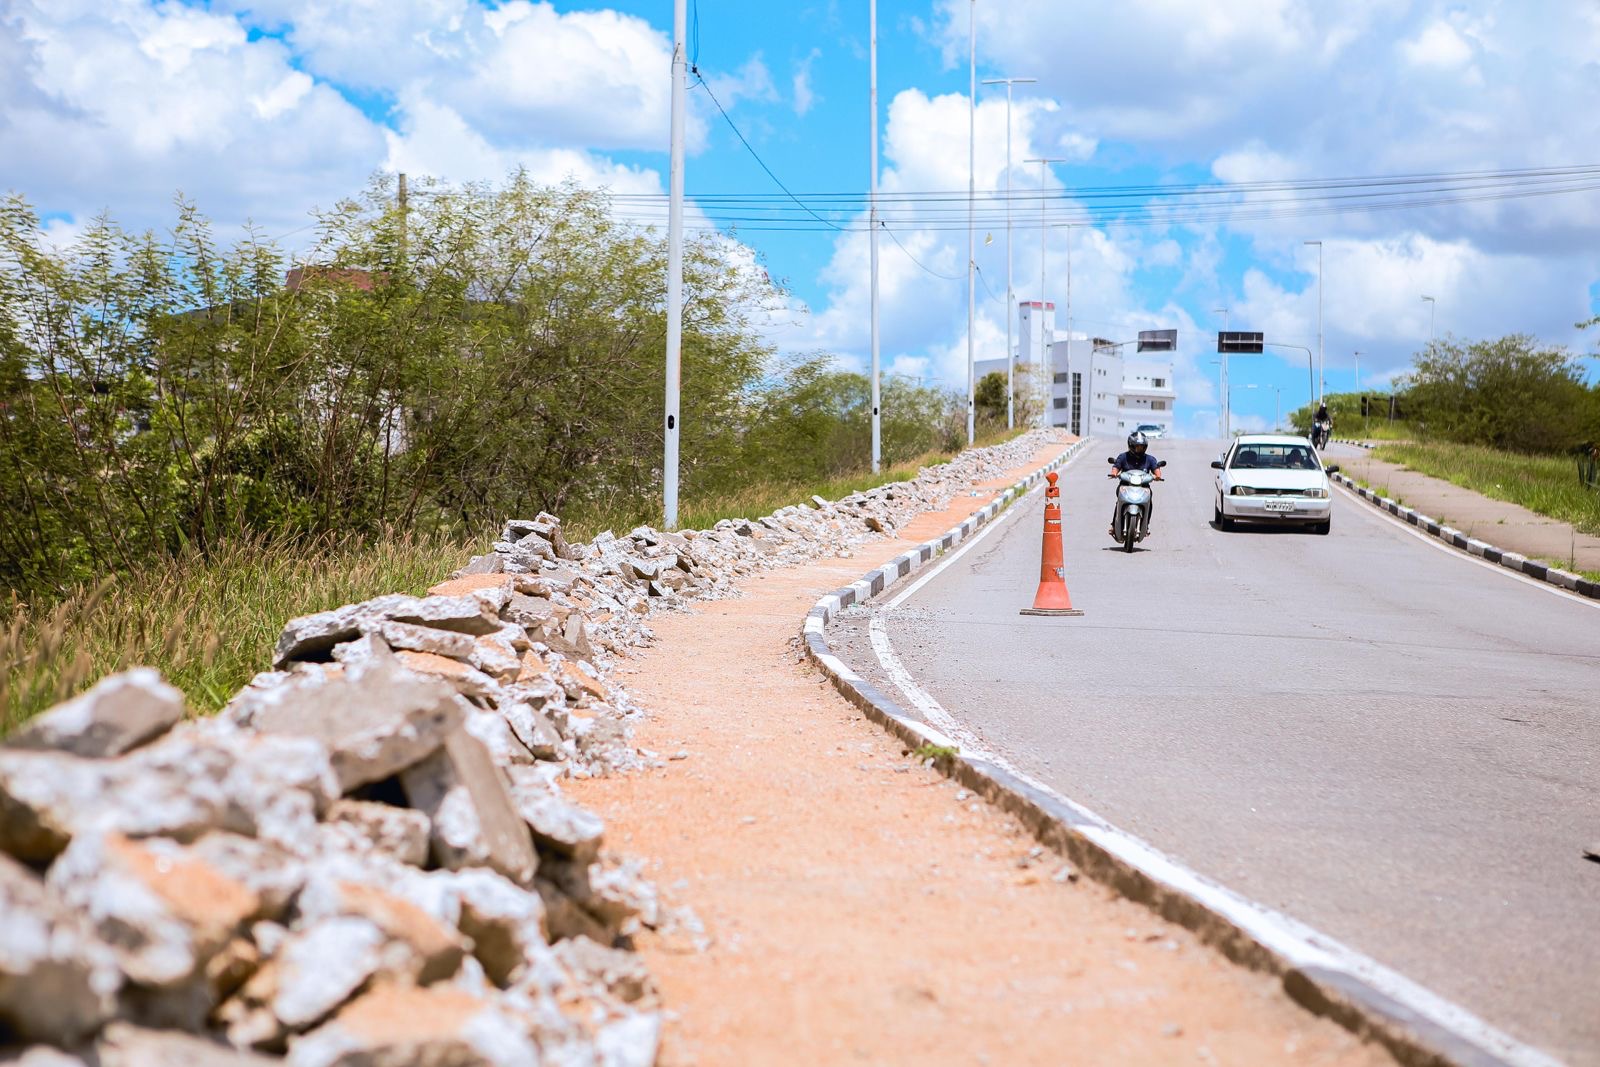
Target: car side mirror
1332, 468
1216, 464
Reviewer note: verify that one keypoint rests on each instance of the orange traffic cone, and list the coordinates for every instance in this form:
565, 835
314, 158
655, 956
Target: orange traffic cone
1052, 597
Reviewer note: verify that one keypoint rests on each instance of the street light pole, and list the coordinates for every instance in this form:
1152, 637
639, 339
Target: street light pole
1432, 304
669, 462
872, 215
1322, 374
972, 192
1227, 405
1011, 303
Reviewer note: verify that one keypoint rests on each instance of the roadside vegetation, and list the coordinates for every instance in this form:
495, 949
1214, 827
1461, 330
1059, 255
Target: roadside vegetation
1510, 418
199, 439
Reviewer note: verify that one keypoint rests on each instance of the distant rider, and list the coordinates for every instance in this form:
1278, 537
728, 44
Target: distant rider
1136, 458
1321, 426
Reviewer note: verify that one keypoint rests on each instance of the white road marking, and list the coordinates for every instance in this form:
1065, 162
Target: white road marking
1299, 944
1451, 550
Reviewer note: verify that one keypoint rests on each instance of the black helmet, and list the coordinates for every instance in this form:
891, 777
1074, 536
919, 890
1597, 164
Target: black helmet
1137, 443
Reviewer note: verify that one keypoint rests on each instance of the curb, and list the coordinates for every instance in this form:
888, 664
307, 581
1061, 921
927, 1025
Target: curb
1347, 441
1316, 973
1512, 561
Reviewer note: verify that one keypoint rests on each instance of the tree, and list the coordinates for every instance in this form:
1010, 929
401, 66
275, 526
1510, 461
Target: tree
1511, 393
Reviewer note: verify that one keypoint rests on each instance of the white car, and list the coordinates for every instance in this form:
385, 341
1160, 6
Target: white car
1152, 430
1272, 478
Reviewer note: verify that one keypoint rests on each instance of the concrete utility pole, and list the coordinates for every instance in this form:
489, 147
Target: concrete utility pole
1011, 300
1227, 408
1432, 303
872, 214
680, 73
972, 193
1322, 373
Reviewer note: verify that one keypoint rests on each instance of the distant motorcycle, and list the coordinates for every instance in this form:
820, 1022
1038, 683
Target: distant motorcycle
1321, 430
1131, 522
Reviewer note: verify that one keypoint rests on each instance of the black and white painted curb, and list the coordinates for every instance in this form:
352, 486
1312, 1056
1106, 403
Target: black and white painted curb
1484, 550
1415, 1025
1369, 446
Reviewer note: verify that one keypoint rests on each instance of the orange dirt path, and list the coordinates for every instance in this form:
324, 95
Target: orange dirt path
859, 911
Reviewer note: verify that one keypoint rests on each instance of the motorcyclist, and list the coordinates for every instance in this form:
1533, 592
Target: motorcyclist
1136, 458
1322, 425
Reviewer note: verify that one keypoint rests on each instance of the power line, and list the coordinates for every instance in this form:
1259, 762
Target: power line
926, 269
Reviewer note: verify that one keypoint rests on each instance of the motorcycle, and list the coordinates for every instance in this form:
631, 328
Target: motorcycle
1130, 523
1321, 430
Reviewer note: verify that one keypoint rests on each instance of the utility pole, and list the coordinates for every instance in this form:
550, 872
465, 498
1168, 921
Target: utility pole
402, 203
680, 73
972, 193
1322, 373
1227, 407
1011, 301
872, 215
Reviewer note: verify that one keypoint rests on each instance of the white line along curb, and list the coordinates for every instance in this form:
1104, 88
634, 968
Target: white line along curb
1323, 975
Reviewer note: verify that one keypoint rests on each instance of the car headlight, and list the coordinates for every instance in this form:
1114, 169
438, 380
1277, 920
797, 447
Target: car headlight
1316, 494
1243, 490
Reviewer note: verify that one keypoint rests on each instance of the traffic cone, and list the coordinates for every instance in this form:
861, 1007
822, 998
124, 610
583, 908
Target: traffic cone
1052, 597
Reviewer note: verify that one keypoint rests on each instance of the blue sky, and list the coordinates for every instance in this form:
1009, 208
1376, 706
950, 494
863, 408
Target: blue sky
264, 109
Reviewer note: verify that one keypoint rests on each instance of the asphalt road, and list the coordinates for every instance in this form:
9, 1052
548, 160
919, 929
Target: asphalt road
1382, 739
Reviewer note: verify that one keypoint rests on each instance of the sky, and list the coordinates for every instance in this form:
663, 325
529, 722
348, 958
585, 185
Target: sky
267, 109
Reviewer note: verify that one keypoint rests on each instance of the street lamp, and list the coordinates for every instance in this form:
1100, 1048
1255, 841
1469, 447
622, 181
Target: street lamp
1322, 375
872, 213
1227, 411
669, 457
1432, 304
1011, 303
972, 192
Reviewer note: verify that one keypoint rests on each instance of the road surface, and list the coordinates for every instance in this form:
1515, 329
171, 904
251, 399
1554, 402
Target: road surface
1383, 739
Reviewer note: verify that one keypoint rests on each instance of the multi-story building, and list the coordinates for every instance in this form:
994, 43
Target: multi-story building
1097, 391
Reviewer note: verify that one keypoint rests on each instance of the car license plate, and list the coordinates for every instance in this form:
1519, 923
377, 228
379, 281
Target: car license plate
1280, 505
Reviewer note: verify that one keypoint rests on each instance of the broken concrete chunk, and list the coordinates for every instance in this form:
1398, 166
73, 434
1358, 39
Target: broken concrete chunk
622, 974
267, 870
58, 982
558, 826
437, 950
632, 1041
41, 795
124, 1045
376, 720
474, 823
163, 912
506, 923
464, 679
436, 1027
462, 614
121, 712
489, 563
311, 637
398, 833
415, 638
533, 729
317, 969
497, 654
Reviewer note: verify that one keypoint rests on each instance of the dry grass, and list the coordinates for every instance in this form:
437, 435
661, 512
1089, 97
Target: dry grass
209, 624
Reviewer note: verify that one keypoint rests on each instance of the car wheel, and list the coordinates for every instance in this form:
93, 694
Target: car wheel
1222, 521
1324, 527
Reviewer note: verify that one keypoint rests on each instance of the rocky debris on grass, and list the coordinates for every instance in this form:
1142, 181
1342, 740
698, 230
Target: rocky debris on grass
367, 858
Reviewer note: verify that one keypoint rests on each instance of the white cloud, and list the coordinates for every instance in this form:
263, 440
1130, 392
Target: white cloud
1438, 45
804, 96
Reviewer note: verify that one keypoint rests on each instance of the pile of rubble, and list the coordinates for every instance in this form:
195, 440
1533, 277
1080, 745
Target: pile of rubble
366, 858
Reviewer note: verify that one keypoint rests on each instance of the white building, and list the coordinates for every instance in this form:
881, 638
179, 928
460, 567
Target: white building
1099, 388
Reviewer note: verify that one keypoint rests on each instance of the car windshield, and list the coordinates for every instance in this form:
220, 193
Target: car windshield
1255, 457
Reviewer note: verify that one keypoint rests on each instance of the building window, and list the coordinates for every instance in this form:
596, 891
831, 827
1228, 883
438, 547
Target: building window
1158, 383
1158, 405
1061, 376
1077, 402
1060, 401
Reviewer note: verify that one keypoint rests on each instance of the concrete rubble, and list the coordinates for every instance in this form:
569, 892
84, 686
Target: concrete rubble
366, 858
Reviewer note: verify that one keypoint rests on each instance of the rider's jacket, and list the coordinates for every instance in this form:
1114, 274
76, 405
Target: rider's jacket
1126, 462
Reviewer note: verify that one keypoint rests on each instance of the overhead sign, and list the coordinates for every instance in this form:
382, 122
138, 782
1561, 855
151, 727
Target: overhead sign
1239, 341
1158, 340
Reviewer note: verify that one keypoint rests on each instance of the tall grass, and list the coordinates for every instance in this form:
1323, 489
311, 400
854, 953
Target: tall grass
209, 624
206, 624
1547, 485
